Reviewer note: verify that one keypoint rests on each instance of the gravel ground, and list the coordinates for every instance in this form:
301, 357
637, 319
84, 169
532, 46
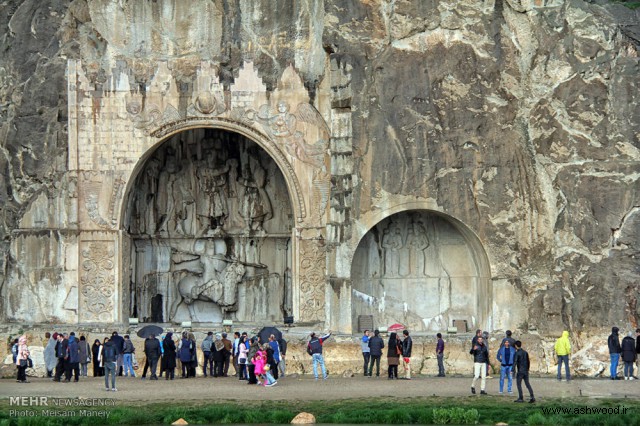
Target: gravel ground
135, 390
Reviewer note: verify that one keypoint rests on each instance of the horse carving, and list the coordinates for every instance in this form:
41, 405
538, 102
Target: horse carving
219, 287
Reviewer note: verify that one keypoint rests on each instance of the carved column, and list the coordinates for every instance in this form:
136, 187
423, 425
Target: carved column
98, 289
311, 275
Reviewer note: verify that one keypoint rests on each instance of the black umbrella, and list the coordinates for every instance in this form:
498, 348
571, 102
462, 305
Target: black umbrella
148, 330
268, 331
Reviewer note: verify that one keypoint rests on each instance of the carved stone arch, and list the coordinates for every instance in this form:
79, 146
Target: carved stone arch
167, 130
443, 275
371, 219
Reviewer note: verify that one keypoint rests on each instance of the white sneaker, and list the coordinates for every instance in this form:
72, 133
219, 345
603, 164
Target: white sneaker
631, 378
500, 392
114, 390
107, 389
626, 378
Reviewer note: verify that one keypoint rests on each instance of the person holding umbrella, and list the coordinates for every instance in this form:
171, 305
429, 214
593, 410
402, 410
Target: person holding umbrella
152, 351
144, 333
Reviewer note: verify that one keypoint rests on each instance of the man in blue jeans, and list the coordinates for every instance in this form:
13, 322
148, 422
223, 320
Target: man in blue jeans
314, 348
109, 356
614, 351
505, 356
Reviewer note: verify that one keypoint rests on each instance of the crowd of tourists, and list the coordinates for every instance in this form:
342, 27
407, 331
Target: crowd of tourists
260, 362
68, 357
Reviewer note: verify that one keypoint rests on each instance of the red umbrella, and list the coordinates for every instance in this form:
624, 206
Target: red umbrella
395, 327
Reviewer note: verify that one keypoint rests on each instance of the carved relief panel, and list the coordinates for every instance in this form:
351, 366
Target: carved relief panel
312, 258
98, 292
210, 218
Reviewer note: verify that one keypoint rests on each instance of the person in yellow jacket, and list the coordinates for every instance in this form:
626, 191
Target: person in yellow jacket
563, 349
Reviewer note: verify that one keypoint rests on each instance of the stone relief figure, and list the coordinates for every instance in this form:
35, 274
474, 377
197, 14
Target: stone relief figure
145, 200
185, 199
218, 283
392, 243
165, 201
212, 201
257, 206
417, 242
283, 124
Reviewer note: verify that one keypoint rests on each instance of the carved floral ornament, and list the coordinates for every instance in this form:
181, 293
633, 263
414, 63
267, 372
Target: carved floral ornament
97, 282
312, 280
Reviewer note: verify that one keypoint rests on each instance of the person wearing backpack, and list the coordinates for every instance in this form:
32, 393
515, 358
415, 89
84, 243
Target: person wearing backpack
109, 356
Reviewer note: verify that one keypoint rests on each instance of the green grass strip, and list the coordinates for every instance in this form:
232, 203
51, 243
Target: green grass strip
463, 410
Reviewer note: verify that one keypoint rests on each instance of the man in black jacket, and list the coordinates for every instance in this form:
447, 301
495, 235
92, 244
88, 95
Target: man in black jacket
480, 359
407, 345
118, 343
376, 344
152, 351
521, 365
614, 351
61, 353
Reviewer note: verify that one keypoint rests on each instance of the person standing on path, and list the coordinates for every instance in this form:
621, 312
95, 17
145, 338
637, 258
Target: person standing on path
628, 355
127, 356
282, 366
506, 355
235, 350
226, 354
563, 349
521, 364
440, 355
50, 353
407, 346
152, 351
169, 356
614, 352
72, 359
22, 359
376, 344
480, 361
108, 356
85, 355
394, 351
98, 370
314, 348
206, 345
118, 342
366, 351
61, 354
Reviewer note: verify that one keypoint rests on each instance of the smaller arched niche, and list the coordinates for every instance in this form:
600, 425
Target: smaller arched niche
421, 269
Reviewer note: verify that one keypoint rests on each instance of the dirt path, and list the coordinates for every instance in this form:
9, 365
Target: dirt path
306, 388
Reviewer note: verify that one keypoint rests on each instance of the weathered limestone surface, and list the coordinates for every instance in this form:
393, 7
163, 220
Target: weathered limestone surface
517, 121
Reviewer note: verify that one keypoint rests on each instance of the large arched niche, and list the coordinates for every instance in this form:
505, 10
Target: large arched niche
208, 216
423, 269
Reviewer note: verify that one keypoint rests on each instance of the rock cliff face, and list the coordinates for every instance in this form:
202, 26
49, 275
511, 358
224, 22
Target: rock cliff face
518, 118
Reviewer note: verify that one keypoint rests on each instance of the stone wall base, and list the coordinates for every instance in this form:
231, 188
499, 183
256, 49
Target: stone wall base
343, 355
